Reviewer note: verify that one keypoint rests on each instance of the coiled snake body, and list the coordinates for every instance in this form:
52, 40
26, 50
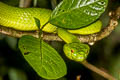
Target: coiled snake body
23, 19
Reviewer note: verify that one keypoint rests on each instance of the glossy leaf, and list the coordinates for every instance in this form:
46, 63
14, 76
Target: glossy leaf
73, 14
50, 65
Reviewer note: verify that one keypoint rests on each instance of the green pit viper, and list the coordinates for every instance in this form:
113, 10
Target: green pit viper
23, 19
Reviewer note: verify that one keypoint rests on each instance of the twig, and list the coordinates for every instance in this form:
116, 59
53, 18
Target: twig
21, 3
102, 34
15, 33
78, 77
98, 71
53, 3
24, 3
34, 3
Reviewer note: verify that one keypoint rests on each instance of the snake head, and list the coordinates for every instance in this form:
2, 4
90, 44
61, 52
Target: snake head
76, 51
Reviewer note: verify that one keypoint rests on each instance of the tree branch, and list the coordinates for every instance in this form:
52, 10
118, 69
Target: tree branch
98, 71
100, 35
24, 3
115, 15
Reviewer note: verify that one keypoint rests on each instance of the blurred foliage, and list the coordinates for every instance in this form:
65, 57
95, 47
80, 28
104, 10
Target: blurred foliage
11, 2
115, 66
15, 74
104, 54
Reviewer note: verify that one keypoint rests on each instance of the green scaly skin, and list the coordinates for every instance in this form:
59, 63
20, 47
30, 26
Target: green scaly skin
74, 50
23, 19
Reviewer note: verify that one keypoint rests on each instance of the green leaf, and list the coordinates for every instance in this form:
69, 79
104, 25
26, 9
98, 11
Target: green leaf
73, 14
50, 65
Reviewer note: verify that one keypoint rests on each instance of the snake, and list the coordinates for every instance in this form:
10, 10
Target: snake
23, 19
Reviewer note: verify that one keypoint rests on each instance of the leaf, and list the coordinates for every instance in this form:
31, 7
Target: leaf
73, 14
37, 21
50, 66
63, 78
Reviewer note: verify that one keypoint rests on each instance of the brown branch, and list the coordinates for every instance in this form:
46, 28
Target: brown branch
102, 34
15, 33
53, 3
98, 71
83, 38
78, 77
24, 3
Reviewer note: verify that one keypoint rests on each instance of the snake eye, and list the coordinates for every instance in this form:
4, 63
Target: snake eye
72, 51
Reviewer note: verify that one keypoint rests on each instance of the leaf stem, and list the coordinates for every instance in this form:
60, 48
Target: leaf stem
34, 3
53, 3
98, 71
